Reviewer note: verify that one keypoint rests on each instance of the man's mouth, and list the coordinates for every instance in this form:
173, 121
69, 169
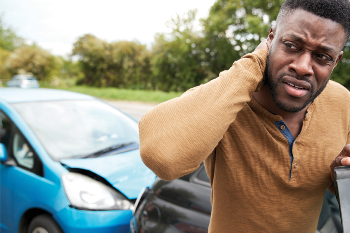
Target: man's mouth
297, 87
296, 90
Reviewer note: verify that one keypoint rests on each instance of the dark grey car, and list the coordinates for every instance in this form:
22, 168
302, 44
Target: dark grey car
183, 205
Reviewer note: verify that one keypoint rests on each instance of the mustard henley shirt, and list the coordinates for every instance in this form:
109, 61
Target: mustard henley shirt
255, 188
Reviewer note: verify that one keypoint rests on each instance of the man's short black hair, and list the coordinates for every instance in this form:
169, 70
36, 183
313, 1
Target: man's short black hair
336, 10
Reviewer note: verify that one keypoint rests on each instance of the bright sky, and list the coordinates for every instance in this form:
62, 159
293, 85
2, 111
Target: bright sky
56, 24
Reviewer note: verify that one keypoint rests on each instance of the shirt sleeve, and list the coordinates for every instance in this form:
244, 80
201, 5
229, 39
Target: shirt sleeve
178, 135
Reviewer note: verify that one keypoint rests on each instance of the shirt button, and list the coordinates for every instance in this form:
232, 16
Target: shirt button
282, 127
295, 165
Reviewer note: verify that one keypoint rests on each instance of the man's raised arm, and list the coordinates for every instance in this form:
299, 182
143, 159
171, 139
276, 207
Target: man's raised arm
178, 135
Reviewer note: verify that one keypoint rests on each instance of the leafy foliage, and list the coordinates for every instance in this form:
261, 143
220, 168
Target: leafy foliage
31, 60
8, 42
18, 58
4, 73
178, 60
117, 64
342, 71
234, 28
68, 69
8, 39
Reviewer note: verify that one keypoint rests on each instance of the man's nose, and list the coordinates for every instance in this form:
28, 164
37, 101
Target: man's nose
302, 65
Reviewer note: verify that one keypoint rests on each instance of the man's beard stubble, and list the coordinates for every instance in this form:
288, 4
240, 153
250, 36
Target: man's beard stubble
274, 84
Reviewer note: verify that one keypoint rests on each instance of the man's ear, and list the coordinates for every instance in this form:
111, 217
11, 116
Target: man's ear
271, 35
338, 58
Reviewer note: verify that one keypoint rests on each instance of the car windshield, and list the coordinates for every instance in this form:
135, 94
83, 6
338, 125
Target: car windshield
76, 128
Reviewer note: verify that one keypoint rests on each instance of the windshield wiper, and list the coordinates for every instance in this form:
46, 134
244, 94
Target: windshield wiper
122, 147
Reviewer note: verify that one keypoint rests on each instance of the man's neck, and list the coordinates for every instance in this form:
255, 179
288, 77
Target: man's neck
294, 120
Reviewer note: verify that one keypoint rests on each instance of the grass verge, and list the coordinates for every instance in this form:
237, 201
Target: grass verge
111, 93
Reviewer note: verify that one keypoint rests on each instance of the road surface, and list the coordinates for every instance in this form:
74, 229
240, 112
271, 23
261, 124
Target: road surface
135, 109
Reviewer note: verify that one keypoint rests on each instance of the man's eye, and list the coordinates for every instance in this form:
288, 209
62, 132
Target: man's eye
324, 57
290, 46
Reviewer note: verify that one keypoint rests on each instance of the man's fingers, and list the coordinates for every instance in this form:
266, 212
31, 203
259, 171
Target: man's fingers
346, 151
340, 161
337, 162
343, 159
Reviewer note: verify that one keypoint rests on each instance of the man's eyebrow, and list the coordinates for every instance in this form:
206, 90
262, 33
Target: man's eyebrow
295, 37
302, 40
327, 49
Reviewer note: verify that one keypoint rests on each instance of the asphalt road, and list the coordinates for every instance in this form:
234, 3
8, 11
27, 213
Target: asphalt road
135, 109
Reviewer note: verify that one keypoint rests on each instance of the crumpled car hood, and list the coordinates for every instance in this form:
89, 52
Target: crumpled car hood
125, 171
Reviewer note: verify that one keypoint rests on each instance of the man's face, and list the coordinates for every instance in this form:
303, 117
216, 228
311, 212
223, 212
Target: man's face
304, 50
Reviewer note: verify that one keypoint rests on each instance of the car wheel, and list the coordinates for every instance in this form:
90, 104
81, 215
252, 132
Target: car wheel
43, 224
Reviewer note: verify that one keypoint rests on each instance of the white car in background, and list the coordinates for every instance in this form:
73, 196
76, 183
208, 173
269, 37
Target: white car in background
23, 81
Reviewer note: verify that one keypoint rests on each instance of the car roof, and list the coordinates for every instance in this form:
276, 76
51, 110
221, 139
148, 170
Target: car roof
23, 76
18, 95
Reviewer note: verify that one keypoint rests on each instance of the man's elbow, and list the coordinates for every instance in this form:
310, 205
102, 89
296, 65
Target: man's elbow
162, 171
161, 166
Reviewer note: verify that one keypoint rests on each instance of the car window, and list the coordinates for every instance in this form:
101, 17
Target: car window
5, 130
22, 152
200, 177
18, 148
75, 128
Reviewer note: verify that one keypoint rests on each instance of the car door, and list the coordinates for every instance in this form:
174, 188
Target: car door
27, 177
12, 82
6, 184
19, 175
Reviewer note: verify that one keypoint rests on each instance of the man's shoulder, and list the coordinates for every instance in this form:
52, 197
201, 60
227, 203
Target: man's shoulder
331, 108
335, 92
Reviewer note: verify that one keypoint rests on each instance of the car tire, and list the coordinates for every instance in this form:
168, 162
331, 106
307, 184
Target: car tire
44, 224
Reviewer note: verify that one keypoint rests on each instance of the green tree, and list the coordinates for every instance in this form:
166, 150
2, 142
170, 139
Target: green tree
133, 62
120, 64
4, 73
8, 42
178, 60
68, 69
32, 60
342, 71
90, 51
8, 39
65, 73
235, 27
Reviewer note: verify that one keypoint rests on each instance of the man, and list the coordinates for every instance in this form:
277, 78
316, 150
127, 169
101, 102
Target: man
267, 136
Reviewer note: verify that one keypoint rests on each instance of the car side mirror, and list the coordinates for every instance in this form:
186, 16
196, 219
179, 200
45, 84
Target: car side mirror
4, 158
3, 153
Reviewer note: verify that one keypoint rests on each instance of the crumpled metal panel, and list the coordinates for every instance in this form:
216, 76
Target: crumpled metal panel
342, 189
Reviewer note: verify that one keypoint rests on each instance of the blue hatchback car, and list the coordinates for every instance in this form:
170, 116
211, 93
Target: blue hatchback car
69, 163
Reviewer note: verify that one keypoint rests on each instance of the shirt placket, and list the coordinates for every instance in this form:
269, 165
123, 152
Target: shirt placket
283, 128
